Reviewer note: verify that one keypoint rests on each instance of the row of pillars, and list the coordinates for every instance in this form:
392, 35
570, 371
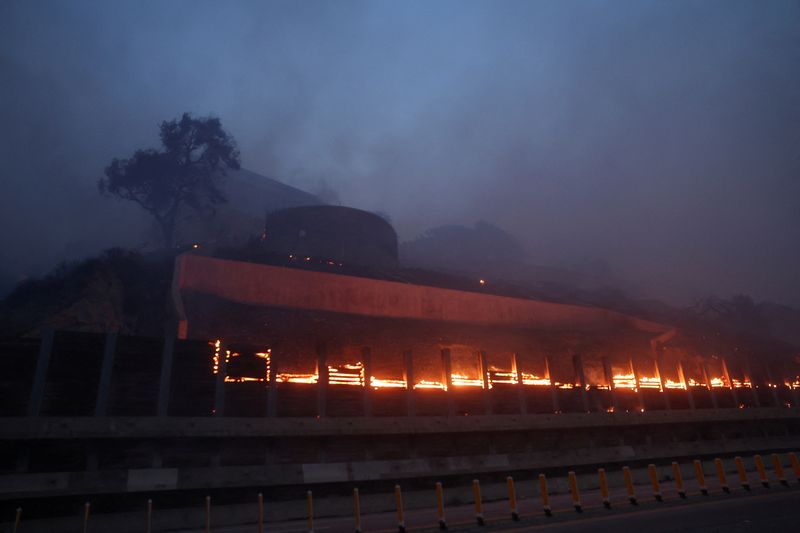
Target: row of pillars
109, 350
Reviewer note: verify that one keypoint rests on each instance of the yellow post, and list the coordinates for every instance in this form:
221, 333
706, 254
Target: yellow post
260, 513
356, 510
676, 473
601, 473
512, 499
723, 481
743, 481
440, 506
573, 490
762, 473
208, 514
310, 511
651, 471
476, 493
86, 509
626, 473
701, 478
795, 465
398, 500
149, 525
17, 519
776, 464
545, 496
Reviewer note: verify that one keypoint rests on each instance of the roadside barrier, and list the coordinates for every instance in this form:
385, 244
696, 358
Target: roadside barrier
356, 511
476, 493
743, 481
776, 464
601, 474
676, 474
398, 500
723, 481
575, 498
626, 473
762, 472
440, 506
545, 496
700, 476
573, 490
651, 470
512, 499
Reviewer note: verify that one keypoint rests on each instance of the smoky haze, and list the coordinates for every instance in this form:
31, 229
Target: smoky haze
659, 138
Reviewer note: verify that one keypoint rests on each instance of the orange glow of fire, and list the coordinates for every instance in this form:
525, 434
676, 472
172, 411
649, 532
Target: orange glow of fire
649, 383
669, 384
347, 374
379, 383
624, 381
533, 379
741, 384
425, 384
717, 383
462, 380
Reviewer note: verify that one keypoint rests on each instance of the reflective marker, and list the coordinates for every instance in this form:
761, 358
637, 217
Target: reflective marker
676, 473
310, 511
762, 473
573, 489
440, 506
512, 499
356, 511
398, 500
742, 473
544, 495
476, 493
795, 465
601, 473
651, 470
626, 473
776, 464
701, 478
723, 481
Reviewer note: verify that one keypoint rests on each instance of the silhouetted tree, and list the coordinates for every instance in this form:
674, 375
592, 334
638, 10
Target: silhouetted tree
187, 172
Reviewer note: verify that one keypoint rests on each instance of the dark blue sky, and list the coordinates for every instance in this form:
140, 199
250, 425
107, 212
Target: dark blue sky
660, 137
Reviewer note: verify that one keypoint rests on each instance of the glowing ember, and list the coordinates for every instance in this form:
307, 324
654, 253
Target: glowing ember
461, 380
649, 383
533, 379
425, 384
669, 384
624, 381
378, 383
297, 378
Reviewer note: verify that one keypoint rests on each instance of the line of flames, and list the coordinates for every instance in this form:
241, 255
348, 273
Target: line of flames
353, 374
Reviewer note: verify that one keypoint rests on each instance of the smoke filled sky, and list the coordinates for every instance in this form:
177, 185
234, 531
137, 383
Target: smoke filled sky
660, 137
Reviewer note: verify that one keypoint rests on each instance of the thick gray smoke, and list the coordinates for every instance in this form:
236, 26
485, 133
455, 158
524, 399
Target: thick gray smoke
660, 138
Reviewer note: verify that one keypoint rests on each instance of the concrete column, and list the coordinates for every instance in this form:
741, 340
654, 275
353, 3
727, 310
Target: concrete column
272, 391
727, 376
40, 376
609, 375
771, 378
408, 375
487, 399
553, 390
523, 404
447, 380
658, 364
165, 379
219, 385
104, 386
711, 390
636, 377
749, 376
366, 359
577, 365
322, 381
682, 378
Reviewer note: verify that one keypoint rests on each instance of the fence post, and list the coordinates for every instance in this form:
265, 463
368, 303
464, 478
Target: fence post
310, 511
207, 514
723, 481
742, 473
440, 506
762, 473
651, 470
601, 473
573, 490
86, 510
260, 513
398, 500
701, 478
17, 519
512, 499
149, 521
356, 510
545, 497
776, 464
626, 473
476, 493
795, 465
